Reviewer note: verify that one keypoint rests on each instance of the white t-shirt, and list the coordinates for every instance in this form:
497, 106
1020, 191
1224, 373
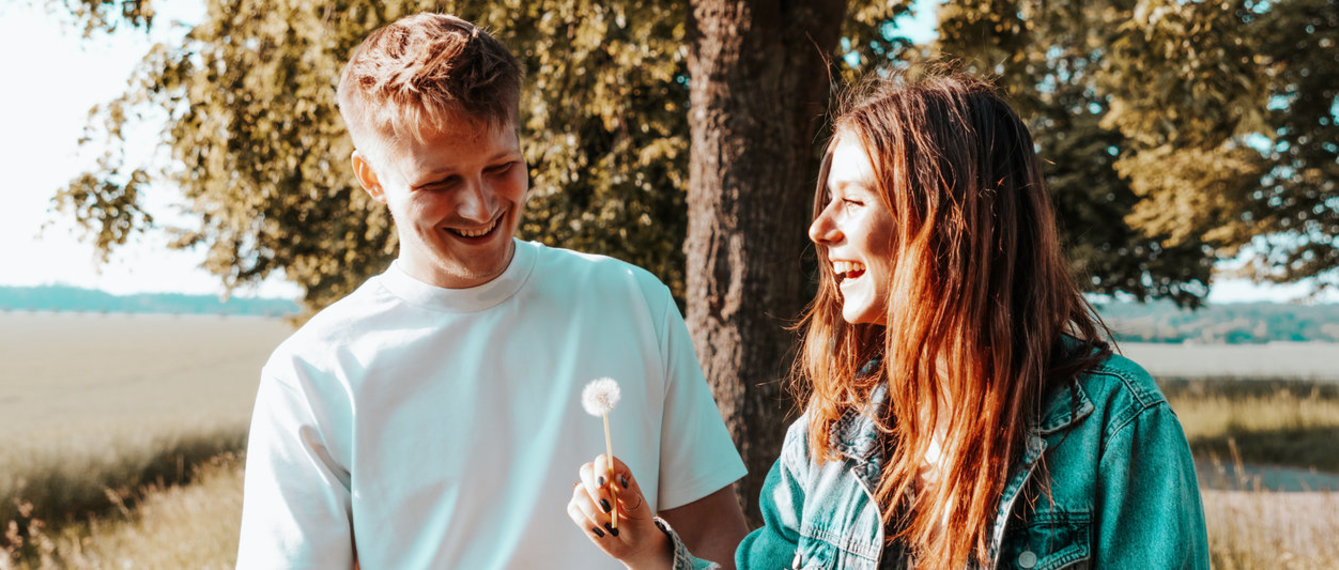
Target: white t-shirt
443, 428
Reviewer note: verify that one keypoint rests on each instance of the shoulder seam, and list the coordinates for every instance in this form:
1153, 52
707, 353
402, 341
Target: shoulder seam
1125, 423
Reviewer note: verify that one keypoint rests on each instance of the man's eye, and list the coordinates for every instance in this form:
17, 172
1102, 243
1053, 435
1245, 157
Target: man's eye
440, 185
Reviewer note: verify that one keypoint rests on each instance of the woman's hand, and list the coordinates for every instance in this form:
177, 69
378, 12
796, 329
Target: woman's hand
608, 489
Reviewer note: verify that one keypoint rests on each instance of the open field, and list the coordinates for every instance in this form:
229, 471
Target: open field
196, 527
1275, 360
1260, 529
92, 402
1269, 422
167, 528
120, 432
116, 370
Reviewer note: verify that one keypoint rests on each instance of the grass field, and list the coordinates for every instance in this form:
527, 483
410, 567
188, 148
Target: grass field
1270, 422
1276, 360
96, 409
1251, 530
121, 432
165, 528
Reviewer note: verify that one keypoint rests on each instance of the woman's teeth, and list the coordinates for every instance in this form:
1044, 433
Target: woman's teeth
848, 269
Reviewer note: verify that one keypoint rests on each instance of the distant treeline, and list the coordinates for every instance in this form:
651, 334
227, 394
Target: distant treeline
1224, 323
75, 299
1157, 321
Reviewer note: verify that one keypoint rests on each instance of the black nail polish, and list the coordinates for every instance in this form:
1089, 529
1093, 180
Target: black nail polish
613, 531
600, 481
624, 480
605, 505
597, 531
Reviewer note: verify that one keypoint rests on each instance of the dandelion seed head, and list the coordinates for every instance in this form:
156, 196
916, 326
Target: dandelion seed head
600, 396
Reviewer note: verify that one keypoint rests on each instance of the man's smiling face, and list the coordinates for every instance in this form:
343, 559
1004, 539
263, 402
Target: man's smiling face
456, 197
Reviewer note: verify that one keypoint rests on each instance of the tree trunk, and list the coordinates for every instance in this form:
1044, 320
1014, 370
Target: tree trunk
759, 83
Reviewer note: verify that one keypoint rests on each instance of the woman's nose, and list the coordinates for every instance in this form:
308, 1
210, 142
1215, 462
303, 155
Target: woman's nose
823, 231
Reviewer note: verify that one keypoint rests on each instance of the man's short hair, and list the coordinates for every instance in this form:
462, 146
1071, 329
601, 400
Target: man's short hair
423, 74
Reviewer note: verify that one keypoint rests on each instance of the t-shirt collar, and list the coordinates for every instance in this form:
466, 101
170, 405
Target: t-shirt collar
471, 299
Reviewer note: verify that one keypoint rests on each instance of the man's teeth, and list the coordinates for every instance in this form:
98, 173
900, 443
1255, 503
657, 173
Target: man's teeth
477, 233
847, 268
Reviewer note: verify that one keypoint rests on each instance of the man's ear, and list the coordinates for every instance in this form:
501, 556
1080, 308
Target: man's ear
367, 178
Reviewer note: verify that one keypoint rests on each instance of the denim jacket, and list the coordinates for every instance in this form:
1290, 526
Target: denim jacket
1122, 489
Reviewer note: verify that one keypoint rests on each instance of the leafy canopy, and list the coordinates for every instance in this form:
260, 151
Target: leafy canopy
1178, 131
1175, 132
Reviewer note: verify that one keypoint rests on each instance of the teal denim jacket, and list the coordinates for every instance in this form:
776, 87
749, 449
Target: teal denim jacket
1123, 492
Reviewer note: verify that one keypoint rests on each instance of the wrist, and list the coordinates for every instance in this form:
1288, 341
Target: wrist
657, 555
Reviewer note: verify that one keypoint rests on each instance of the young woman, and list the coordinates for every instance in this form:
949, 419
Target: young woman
962, 410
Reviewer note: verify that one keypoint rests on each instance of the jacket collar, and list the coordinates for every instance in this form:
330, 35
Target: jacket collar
1067, 405
856, 434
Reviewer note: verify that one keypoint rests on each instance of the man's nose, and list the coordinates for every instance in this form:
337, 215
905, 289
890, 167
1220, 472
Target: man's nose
478, 201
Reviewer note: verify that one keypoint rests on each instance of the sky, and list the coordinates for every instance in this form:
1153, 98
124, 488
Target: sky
54, 77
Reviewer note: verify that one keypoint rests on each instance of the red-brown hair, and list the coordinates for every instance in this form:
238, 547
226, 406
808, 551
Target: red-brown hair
979, 301
425, 73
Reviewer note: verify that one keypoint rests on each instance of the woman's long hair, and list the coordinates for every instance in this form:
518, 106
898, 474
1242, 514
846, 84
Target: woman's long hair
979, 302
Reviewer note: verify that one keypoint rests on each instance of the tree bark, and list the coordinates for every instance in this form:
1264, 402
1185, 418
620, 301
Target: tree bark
759, 83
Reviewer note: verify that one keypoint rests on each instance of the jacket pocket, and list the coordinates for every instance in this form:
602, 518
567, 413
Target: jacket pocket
814, 554
818, 549
1048, 541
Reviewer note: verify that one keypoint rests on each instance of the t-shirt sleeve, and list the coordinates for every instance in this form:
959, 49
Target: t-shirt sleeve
697, 456
295, 505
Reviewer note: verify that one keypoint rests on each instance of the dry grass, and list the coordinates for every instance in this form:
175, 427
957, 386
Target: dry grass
1213, 408
98, 408
131, 405
1273, 422
196, 527
1252, 527
1234, 425
172, 527
1263, 529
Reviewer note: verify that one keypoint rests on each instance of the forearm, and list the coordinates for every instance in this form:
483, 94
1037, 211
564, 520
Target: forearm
710, 527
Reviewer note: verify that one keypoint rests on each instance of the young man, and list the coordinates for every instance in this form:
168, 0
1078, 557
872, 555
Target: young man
432, 418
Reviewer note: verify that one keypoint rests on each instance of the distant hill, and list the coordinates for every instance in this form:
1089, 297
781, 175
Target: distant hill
76, 299
1231, 323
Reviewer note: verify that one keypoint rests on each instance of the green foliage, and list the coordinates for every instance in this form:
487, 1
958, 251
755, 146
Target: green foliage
872, 36
259, 148
1151, 115
105, 15
1299, 196
606, 126
1147, 113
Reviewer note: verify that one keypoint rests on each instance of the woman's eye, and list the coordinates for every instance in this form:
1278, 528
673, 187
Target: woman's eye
849, 203
501, 168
